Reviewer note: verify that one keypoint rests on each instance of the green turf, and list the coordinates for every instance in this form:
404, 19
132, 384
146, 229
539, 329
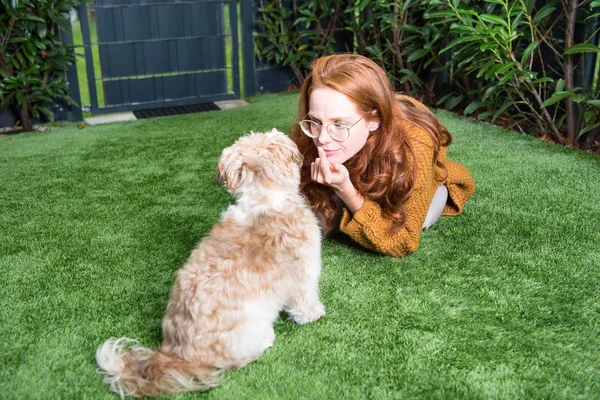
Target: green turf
501, 302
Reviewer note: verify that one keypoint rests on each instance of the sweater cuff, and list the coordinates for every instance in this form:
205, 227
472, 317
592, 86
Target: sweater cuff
352, 224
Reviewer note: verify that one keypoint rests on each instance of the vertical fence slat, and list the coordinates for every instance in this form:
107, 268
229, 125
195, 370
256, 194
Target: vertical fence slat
72, 77
234, 46
248, 48
89, 59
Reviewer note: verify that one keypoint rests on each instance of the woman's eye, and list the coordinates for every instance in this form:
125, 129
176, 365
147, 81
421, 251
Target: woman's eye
341, 125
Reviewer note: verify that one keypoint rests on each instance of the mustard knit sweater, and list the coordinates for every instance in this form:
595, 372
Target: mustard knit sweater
369, 228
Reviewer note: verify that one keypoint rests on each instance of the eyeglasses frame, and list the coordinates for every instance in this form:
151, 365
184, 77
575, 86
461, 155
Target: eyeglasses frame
321, 126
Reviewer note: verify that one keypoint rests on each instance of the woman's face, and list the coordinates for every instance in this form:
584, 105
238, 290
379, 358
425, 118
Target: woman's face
328, 106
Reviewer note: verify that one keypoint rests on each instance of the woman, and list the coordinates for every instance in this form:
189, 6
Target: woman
375, 163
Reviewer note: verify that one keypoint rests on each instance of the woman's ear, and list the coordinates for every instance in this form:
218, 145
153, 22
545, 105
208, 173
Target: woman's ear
374, 121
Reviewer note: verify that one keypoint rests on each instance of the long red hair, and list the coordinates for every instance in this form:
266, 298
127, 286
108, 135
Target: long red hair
380, 171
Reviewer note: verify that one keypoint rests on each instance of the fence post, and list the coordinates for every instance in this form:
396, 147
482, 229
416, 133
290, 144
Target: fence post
72, 78
248, 47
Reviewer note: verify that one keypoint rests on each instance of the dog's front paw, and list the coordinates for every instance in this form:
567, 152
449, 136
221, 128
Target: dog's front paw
307, 315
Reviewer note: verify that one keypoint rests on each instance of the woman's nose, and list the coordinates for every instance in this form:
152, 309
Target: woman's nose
324, 136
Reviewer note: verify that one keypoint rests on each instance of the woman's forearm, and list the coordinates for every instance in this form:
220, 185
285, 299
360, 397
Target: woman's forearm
350, 196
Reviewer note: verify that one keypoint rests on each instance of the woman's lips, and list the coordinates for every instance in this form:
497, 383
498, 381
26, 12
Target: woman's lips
330, 153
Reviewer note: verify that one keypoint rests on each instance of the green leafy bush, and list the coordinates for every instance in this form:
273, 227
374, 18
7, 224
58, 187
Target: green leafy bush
497, 59
33, 59
292, 33
395, 35
522, 59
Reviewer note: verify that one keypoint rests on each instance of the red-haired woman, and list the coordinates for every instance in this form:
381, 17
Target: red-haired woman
375, 163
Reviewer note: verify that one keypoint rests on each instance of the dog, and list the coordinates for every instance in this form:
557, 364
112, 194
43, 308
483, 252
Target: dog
262, 257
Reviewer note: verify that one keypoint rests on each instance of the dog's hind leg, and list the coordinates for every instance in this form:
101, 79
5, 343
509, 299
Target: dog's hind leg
247, 342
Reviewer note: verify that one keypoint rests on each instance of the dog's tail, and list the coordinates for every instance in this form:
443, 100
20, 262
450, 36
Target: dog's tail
131, 370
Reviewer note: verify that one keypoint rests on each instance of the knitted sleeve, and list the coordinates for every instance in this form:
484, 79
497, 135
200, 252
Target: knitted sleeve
460, 184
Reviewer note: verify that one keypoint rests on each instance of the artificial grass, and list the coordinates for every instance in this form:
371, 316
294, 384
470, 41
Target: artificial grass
500, 302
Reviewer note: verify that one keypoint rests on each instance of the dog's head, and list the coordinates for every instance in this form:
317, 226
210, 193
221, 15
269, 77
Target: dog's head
271, 160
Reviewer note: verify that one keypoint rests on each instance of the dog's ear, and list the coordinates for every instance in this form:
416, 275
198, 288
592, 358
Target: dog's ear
228, 174
297, 157
295, 154
220, 178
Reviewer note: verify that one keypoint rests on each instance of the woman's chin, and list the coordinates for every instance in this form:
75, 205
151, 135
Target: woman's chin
335, 157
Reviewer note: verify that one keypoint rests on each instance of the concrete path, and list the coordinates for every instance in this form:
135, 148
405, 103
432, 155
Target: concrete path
128, 116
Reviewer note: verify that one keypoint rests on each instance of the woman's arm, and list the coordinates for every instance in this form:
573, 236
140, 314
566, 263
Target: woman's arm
369, 227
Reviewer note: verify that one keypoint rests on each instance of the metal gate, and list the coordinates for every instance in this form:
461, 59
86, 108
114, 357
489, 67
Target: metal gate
155, 54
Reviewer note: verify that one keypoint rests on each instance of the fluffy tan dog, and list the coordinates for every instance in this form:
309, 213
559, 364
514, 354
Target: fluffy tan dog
261, 258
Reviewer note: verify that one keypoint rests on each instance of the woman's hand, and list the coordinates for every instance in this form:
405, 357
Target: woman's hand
337, 177
334, 175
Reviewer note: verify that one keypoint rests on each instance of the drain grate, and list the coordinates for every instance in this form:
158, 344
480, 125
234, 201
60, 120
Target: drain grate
164, 112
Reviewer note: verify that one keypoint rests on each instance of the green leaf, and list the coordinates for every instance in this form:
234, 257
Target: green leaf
42, 30
494, 19
482, 69
507, 77
505, 67
444, 98
583, 48
560, 85
484, 115
500, 2
501, 111
19, 57
29, 56
417, 54
411, 28
460, 40
453, 102
406, 74
542, 80
488, 92
7, 100
559, 96
21, 99
592, 16
46, 111
467, 61
439, 14
595, 103
579, 97
471, 108
32, 69
32, 17
30, 47
528, 50
543, 13
587, 129
374, 50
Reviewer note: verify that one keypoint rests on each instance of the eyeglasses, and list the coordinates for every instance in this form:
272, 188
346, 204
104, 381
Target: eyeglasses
339, 131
